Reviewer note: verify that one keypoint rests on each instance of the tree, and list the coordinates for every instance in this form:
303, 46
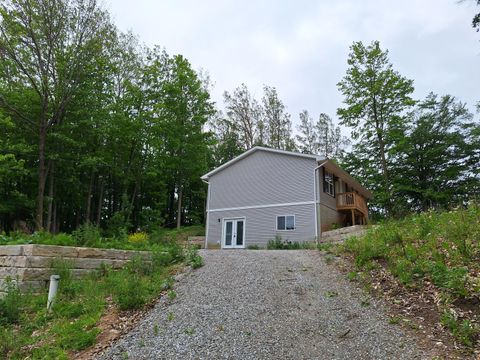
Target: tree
181, 110
308, 137
49, 46
277, 121
476, 19
322, 138
227, 141
435, 166
375, 101
244, 114
331, 142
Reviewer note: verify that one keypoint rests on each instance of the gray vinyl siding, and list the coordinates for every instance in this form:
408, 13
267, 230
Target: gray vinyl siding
261, 224
263, 178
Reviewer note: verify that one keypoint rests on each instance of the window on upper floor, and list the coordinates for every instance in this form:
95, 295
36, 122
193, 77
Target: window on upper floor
329, 183
286, 222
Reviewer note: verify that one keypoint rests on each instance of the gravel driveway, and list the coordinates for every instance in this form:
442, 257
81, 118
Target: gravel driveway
266, 304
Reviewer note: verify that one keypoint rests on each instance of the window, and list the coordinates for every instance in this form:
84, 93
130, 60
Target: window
328, 183
286, 222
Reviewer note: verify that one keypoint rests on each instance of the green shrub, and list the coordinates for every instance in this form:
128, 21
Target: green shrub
7, 342
87, 235
67, 286
129, 291
161, 258
275, 244
11, 303
279, 244
193, 259
253, 247
463, 330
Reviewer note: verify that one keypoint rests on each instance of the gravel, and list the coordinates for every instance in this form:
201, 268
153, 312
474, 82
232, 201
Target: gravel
266, 304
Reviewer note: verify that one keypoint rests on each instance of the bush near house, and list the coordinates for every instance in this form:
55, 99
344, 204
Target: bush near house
436, 248
28, 331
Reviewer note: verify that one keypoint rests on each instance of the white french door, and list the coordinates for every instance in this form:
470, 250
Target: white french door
233, 233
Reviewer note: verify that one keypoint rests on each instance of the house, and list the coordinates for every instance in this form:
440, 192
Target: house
267, 192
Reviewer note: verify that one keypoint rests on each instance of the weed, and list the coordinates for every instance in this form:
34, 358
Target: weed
365, 303
155, 329
463, 330
170, 316
171, 294
279, 244
193, 259
394, 320
189, 332
11, 303
331, 294
329, 258
138, 238
253, 247
352, 276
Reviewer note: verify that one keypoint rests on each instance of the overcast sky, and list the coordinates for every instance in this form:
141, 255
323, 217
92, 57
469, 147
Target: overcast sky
301, 46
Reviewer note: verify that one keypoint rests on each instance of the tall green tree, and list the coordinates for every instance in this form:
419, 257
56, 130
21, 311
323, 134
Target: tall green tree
277, 121
376, 98
244, 114
308, 137
50, 46
331, 142
435, 166
182, 109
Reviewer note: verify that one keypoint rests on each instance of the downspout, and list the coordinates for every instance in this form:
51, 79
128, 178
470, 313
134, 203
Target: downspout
318, 219
208, 213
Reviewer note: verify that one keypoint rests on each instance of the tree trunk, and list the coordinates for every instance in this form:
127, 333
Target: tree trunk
179, 207
100, 202
89, 199
42, 172
54, 222
51, 175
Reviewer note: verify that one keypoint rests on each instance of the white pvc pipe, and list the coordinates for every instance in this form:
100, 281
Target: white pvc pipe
52, 290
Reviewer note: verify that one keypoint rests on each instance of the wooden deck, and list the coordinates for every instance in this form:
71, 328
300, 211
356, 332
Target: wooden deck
353, 202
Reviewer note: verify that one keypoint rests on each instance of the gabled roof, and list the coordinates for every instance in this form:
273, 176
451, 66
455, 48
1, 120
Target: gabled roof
329, 164
251, 151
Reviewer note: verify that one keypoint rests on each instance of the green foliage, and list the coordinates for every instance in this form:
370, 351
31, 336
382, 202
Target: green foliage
193, 258
130, 293
253, 247
86, 235
11, 303
439, 246
463, 330
80, 303
376, 98
279, 244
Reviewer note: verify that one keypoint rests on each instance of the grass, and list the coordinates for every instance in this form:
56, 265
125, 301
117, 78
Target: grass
438, 247
28, 331
91, 236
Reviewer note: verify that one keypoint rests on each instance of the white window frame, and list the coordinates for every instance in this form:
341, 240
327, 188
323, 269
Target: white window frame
285, 216
329, 187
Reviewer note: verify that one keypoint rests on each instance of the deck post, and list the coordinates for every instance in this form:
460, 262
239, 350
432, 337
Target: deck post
353, 217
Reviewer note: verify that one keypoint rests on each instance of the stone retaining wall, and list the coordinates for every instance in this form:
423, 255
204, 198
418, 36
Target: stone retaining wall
31, 265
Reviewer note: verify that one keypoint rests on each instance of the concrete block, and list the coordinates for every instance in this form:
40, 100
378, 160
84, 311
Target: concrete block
51, 251
11, 250
13, 261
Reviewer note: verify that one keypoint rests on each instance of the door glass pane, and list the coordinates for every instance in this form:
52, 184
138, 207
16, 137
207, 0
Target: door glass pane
228, 233
240, 233
290, 223
281, 223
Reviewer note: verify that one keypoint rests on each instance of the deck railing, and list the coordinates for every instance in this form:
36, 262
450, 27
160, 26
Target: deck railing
351, 200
